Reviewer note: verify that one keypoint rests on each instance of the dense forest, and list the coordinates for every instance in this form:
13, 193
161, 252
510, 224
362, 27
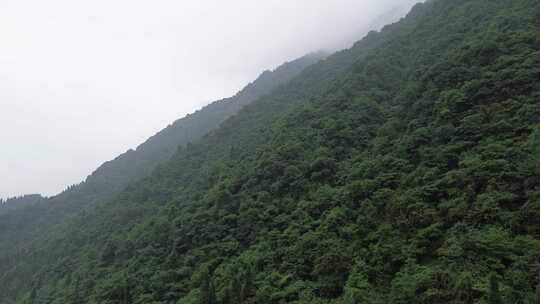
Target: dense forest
23, 201
26, 224
403, 170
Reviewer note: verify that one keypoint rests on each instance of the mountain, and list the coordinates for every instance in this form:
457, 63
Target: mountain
403, 170
397, 11
133, 165
22, 221
24, 201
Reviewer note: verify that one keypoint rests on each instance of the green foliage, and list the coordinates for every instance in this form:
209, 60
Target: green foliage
402, 170
22, 218
207, 290
22, 202
536, 298
494, 296
464, 288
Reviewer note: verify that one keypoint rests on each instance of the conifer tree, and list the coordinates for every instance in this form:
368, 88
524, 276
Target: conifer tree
494, 296
32, 297
536, 299
464, 288
208, 293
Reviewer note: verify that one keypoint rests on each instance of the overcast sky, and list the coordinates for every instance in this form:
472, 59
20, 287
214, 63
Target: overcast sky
83, 81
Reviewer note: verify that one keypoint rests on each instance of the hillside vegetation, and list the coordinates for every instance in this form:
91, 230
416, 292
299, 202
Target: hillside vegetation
27, 222
15, 203
403, 170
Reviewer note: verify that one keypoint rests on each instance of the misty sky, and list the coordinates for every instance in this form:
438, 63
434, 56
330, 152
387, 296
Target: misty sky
83, 81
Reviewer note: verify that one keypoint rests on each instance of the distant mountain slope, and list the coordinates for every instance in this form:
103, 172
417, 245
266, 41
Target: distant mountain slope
399, 10
24, 201
20, 225
135, 164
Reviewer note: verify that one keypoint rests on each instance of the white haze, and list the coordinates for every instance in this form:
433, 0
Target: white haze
83, 81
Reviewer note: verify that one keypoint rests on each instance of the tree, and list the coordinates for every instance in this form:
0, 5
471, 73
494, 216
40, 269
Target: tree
494, 296
533, 146
536, 298
32, 297
464, 288
208, 293
76, 296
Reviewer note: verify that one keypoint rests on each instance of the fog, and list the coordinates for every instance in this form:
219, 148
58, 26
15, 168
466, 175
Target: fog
83, 81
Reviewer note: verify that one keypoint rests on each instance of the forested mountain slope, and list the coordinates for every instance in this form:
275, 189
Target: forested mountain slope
32, 263
136, 164
22, 221
24, 201
403, 170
